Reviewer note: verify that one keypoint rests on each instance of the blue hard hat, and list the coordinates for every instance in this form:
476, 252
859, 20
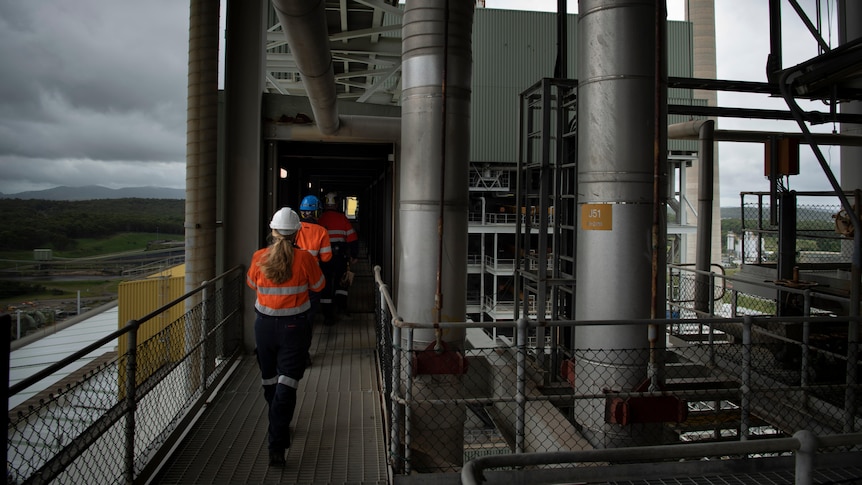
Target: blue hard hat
309, 203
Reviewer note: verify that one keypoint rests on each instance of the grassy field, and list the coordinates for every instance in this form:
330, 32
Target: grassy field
118, 243
37, 292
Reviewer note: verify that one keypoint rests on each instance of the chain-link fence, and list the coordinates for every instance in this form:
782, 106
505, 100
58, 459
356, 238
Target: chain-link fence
823, 231
110, 422
704, 379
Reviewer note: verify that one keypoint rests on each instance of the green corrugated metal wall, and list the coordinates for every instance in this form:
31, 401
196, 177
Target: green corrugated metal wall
512, 50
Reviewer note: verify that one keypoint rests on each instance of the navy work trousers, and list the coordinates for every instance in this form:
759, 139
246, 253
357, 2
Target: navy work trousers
282, 348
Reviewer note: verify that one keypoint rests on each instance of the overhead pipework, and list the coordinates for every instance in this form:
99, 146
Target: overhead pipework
304, 26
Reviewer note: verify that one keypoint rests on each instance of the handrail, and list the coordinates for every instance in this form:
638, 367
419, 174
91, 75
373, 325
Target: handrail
385, 291
133, 325
135, 411
803, 443
744, 377
783, 288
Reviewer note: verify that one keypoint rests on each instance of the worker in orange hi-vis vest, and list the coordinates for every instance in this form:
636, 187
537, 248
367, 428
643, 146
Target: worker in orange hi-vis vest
345, 250
281, 276
314, 238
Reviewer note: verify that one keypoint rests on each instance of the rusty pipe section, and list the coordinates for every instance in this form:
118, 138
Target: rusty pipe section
304, 25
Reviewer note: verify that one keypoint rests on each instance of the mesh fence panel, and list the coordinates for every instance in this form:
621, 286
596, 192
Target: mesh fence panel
601, 398
79, 433
820, 229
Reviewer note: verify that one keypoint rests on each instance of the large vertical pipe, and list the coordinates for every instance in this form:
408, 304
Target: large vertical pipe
705, 202
436, 66
618, 73
244, 217
850, 28
201, 143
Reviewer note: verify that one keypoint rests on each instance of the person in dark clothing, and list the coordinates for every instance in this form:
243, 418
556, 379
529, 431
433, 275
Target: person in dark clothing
345, 250
282, 275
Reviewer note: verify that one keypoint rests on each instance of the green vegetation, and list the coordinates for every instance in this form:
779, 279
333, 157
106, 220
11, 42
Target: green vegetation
78, 229
815, 228
116, 243
751, 302
60, 225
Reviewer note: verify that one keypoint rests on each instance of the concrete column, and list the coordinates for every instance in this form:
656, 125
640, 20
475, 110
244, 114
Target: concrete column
201, 144
245, 197
701, 13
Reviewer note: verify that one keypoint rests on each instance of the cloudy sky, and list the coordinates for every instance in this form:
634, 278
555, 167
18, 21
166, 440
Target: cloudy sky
94, 91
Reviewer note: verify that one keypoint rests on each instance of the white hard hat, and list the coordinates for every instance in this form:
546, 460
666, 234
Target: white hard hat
330, 198
285, 221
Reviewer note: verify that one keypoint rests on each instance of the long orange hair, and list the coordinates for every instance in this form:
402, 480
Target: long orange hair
277, 266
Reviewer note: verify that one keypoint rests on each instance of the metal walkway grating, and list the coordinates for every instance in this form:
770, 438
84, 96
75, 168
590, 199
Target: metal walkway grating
338, 425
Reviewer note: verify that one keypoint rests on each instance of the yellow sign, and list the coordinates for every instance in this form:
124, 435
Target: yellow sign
597, 217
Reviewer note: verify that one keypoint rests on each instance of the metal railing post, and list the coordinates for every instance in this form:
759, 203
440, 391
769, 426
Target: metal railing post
395, 444
6, 342
733, 302
131, 387
711, 336
711, 294
408, 400
745, 388
806, 339
205, 325
520, 396
851, 381
805, 456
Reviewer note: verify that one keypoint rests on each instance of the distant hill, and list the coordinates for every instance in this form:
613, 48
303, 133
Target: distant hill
93, 192
731, 212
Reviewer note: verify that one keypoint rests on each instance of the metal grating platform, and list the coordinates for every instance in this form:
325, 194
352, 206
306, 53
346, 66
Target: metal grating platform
338, 424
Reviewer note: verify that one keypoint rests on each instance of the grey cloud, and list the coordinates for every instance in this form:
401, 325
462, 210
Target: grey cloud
22, 174
95, 79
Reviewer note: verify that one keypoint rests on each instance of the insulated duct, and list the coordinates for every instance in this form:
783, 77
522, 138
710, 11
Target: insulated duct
350, 127
433, 178
621, 154
304, 25
704, 130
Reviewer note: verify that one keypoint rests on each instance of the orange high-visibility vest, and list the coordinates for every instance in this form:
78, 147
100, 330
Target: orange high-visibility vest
315, 239
291, 296
339, 227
